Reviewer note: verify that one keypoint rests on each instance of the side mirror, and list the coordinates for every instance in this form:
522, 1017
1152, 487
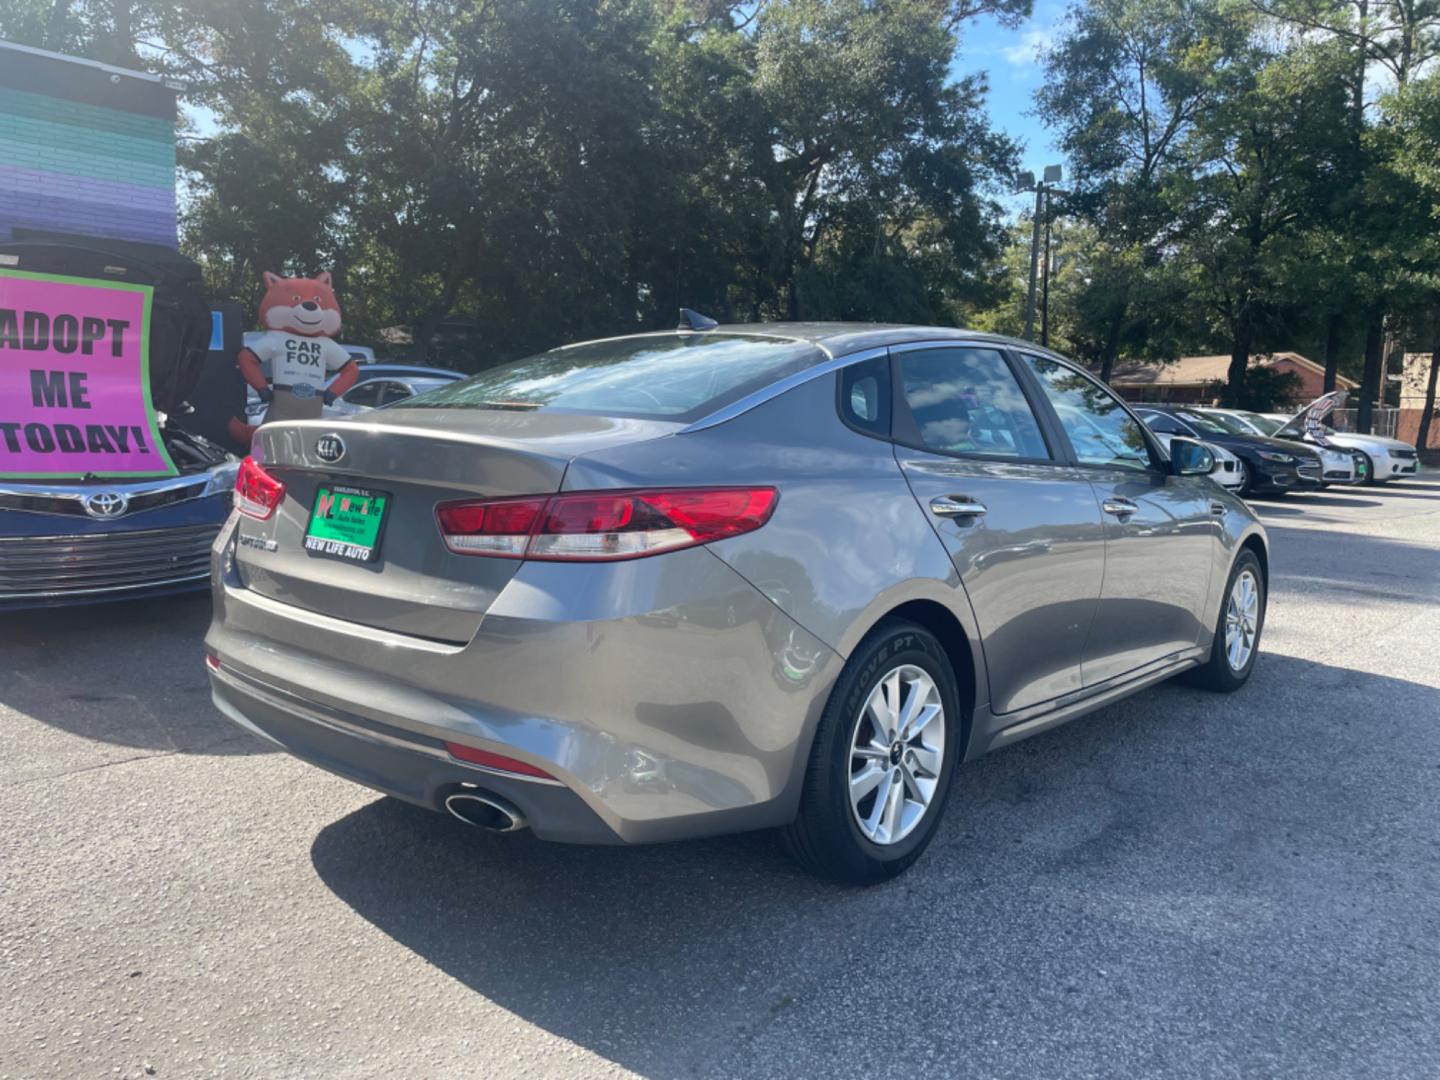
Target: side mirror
1191, 458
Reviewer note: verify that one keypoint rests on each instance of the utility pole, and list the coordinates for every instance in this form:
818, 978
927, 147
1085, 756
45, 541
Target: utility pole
1027, 182
1045, 287
1034, 259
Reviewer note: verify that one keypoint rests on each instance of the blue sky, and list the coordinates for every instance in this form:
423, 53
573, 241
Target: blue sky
1009, 58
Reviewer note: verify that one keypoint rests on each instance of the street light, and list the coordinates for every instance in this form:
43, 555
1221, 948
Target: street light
1051, 176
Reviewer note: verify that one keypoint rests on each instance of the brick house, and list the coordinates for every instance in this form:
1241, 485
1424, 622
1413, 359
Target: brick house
86, 149
1197, 380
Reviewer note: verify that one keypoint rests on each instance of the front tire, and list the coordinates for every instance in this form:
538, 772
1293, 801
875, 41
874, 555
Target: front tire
1237, 631
1371, 480
882, 761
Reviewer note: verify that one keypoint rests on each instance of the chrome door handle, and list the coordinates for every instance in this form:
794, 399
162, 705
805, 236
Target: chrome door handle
956, 506
1119, 506
1218, 509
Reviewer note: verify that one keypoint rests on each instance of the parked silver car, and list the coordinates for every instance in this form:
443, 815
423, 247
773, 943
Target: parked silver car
687, 583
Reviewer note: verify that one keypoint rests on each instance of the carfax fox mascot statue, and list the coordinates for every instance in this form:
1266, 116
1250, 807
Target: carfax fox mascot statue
290, 364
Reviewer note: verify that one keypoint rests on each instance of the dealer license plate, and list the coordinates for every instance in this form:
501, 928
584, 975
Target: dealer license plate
347, 523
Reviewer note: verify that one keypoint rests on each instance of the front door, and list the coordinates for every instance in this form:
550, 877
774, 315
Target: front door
1159, 529
1023, 528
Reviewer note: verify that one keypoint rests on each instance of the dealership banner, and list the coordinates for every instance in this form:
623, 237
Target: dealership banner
75, 379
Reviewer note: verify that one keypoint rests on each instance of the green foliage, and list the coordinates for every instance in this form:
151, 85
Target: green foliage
558, 169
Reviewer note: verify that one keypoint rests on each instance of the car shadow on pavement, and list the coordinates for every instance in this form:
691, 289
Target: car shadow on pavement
1164, 840
1300, 500
130, 674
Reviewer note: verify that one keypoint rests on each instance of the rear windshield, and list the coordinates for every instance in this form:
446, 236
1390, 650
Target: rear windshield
664, 377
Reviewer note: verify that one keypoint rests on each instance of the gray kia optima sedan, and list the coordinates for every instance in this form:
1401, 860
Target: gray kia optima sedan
694, 582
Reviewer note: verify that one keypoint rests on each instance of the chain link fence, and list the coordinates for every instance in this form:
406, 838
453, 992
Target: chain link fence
1383, 420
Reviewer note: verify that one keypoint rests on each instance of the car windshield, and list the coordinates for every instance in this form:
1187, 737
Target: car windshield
1263, 424
1227, 423
661, 376
1203, 422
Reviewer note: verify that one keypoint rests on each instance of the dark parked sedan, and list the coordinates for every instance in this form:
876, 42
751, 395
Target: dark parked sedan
1271, 466
701, 581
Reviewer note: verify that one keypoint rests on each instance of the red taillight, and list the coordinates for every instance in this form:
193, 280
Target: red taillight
498, 527
257, 493
495, 761
212, 661
603, 524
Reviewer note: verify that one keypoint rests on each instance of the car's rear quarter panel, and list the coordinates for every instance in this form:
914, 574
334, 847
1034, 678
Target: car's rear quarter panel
847, 544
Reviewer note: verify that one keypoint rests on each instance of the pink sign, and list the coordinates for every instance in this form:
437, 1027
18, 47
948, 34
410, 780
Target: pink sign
75, 379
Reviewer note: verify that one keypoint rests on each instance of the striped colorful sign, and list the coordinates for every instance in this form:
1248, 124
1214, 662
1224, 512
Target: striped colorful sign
78, 167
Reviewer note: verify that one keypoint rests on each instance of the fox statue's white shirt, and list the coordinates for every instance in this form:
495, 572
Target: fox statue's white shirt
294, 359
298, 367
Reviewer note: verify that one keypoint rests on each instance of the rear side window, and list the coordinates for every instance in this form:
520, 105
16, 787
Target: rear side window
661, 376
865, 395
967, 401
1166, 425
367, 393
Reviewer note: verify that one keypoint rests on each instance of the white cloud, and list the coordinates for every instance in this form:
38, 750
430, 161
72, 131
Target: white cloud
1026, 52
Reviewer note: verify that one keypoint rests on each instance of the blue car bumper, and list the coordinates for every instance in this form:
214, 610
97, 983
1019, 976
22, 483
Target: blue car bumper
52, 560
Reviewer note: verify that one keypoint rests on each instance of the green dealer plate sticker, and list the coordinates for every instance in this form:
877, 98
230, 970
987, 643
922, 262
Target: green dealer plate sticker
347, 523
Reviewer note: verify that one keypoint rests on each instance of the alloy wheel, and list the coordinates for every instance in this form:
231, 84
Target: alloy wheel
897, 748
1242, 620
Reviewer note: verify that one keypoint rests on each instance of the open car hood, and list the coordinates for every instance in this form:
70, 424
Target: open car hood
179, 315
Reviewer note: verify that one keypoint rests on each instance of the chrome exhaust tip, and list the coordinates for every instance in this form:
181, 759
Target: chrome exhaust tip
488, 812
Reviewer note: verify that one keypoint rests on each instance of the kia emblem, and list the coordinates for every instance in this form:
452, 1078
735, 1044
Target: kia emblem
330, 448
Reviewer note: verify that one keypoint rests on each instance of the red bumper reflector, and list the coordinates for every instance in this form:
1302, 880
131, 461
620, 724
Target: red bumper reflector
212, 661
495, 761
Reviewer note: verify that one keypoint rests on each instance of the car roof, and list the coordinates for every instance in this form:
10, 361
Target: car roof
842, 338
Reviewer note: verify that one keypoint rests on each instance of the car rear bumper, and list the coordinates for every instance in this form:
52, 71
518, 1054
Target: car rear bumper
397, 762
667, 696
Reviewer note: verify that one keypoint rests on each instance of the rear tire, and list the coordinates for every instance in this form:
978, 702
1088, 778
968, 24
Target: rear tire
842, 836
1228, 667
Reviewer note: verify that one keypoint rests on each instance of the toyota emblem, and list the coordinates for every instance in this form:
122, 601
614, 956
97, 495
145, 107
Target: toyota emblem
330, 448
106, 504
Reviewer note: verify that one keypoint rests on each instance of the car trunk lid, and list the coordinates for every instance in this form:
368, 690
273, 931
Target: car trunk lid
416, 459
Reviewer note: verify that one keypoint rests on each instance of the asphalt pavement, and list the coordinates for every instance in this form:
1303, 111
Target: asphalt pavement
1179, 885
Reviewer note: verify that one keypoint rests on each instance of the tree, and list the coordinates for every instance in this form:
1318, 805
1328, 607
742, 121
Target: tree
1125, 84
1264, 156
1413, 116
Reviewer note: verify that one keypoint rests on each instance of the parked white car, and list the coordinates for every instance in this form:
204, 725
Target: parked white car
1384, 459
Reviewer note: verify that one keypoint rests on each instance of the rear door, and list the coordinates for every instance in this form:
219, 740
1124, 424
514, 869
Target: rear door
1022, 527
1160, 529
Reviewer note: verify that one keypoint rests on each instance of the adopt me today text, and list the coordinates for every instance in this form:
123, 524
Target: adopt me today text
64, 334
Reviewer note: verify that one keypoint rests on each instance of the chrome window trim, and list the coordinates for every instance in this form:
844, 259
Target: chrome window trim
781, 386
